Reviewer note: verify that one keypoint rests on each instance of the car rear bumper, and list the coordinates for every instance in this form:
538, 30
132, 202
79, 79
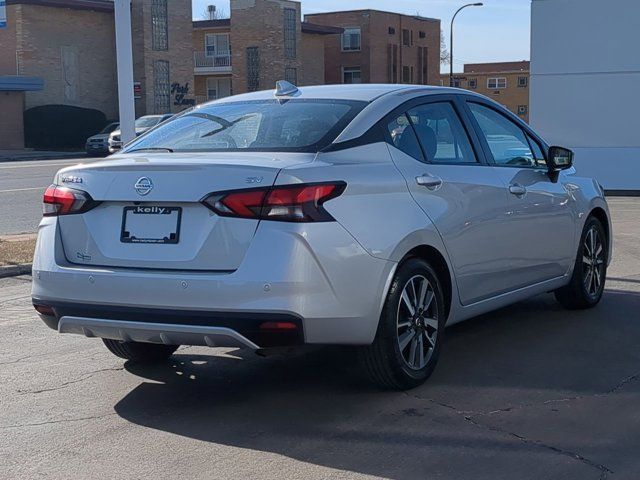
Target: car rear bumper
173, 327
314, 275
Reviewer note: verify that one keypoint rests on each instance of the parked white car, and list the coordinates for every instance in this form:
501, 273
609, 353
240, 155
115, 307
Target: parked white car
142, 125
366, 215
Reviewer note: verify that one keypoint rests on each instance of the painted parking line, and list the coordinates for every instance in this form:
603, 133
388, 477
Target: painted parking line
40, 165
23, 189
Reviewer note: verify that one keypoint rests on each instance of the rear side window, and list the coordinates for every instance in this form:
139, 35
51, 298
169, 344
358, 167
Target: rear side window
263, 125
507, 141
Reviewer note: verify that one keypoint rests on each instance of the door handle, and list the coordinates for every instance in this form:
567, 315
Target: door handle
429, 181
517, 190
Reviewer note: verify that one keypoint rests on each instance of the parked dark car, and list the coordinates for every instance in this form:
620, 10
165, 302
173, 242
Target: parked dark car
99, 144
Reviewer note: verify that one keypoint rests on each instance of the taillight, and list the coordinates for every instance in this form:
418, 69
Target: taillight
65, 201
289, 203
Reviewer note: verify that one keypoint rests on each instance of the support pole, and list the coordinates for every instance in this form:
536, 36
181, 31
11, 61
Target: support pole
124, 56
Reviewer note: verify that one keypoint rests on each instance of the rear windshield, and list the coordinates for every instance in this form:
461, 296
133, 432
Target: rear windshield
265, 125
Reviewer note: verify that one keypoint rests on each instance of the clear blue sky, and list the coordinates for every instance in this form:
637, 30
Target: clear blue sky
499, 31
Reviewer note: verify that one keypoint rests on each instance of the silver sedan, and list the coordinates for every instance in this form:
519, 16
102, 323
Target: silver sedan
365, 215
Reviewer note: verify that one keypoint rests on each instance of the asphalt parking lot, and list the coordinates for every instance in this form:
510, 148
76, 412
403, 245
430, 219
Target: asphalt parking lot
529, 392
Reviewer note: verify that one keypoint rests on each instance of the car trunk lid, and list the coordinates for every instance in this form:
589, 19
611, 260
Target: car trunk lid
150, 215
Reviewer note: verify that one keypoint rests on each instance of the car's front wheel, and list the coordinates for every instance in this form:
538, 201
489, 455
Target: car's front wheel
589, 271
407, 344
140, 352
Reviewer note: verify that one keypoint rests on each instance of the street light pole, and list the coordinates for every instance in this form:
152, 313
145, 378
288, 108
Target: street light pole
479, 4
124, 61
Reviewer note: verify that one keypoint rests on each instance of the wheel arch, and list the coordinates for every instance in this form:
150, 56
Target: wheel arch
437, 260
601, 215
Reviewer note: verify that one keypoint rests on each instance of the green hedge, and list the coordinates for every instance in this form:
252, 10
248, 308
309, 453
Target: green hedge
51, 127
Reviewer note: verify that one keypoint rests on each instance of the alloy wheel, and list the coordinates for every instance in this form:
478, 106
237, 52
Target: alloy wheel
593, 262
417, 322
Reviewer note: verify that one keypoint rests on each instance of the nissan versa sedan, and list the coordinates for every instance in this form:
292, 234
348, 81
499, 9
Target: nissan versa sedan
364, 215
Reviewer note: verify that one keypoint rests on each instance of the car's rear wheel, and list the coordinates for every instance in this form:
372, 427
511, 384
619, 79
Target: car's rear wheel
590, 269
407, 344
140, 352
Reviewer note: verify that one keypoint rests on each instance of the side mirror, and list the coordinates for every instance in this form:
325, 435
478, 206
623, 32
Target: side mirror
560, 158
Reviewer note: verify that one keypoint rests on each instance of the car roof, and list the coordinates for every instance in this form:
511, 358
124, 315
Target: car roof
366, 92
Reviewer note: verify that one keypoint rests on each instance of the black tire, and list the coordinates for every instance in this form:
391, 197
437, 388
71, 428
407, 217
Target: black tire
582, 291
140, 352
384, 360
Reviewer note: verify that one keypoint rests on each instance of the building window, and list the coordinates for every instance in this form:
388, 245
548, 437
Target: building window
496, 83
253, 69
422, 34
392, 31
351, 75
392, 63
473, 83
291, 75
159, 25
523, 82
406, 37
455, 82
523, 109
290, 32
218, 88
216, 44
406, 74
351, 39
161, 87
423, 59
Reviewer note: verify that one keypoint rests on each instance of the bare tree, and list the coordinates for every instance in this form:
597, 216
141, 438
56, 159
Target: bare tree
444, 53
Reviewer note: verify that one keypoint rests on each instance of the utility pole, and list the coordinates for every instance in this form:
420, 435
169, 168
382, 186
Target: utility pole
124, 55
451, 39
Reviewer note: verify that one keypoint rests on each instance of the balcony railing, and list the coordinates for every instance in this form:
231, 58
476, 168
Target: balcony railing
201, 99
219, 61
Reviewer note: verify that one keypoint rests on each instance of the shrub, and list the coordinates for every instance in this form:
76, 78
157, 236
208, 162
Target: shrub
61, 126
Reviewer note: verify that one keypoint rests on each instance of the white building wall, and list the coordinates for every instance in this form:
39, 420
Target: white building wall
585, 84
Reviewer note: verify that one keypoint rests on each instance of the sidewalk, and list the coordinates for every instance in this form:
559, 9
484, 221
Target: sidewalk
16, 254
29, 154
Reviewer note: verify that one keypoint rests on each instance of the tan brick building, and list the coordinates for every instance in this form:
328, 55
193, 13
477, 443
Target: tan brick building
162, 55
505, 82
70, 45
381, 47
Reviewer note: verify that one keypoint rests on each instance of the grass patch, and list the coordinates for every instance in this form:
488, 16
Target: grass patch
17, 249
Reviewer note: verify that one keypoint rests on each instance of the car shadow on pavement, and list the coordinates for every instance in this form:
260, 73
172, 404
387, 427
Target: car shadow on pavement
317, 407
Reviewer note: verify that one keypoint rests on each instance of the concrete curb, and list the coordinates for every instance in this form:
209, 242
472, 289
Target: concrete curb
15, 270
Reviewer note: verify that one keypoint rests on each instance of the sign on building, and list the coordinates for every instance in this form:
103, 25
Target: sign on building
3, 13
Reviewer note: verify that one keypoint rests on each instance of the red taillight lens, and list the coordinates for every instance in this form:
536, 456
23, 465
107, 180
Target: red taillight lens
64, 201
290, 203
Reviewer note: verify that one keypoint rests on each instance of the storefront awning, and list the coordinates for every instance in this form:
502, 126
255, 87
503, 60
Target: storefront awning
19, 83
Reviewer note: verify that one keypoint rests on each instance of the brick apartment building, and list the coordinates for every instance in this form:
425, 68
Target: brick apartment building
505, 82
262, 42
381, 47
